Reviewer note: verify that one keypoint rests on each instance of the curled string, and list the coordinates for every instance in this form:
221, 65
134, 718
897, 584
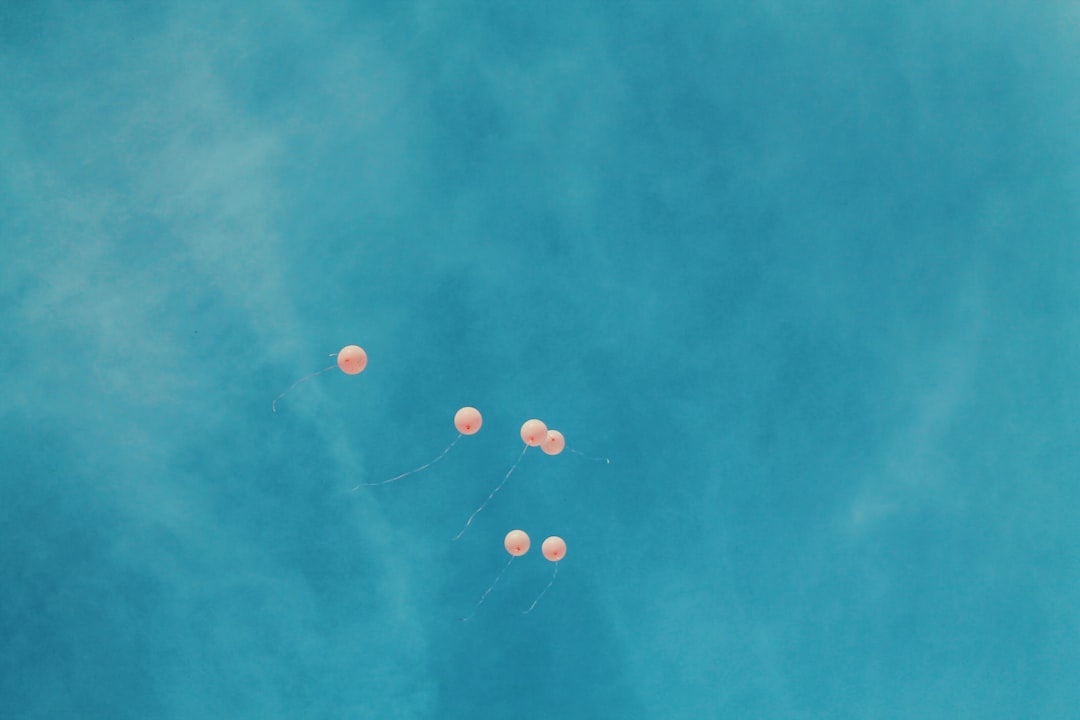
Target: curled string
486, 592
273, 405
493, 493
410, 472
550, 583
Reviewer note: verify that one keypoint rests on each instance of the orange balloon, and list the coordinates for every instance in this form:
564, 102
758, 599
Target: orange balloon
352, 359
554, 548
554, 443
516, 542
534, 433
467, 420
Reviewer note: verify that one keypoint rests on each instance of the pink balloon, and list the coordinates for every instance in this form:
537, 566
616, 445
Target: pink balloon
467, 420
554, 548
534, 433
554, 443
516, 542
352, 359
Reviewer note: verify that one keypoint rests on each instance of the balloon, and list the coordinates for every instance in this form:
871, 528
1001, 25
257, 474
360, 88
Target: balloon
467, 420
554, 443
533, 433
352, 359
516, 542
554, 548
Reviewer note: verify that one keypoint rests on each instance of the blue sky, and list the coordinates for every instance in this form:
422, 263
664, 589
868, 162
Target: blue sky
807, 273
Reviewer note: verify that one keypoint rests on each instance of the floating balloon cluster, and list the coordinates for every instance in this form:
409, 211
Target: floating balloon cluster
534, 433
517, 544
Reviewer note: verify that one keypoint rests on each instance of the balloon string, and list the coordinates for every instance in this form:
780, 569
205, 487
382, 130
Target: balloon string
406, 474
550, 583
486, 592
306, 377
493, 493
590, 457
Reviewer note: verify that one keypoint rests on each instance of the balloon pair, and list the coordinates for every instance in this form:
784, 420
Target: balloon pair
517, 543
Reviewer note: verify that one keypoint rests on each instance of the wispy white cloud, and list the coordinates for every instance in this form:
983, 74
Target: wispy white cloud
915, 470
143, 295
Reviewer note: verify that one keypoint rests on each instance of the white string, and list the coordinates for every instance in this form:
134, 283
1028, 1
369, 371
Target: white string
550, 583
273, 405
590, 457
490, 588
406, 474
493, 492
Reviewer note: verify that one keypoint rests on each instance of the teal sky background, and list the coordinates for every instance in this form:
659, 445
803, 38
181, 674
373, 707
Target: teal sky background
806, 272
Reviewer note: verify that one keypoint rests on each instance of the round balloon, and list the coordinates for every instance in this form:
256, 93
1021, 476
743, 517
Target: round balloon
554, 443
467, 420
352, 359
516, 542
534, 433
554, 548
